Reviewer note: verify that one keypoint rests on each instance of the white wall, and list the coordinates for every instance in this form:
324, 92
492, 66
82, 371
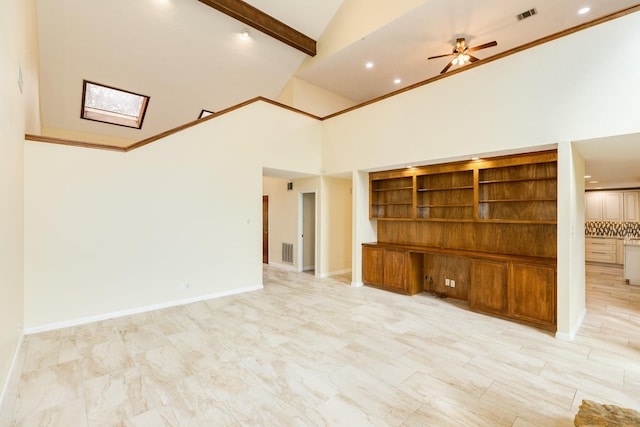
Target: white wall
571, 278
553, 92
19, 112
107, 233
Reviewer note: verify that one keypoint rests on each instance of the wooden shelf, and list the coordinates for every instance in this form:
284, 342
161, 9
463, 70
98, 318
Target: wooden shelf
499, 181
470, 187
516, 200
392, 197
444, 206
517, 189
516, 221
392, 189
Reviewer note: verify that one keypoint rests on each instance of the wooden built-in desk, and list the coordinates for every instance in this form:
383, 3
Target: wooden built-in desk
515, 287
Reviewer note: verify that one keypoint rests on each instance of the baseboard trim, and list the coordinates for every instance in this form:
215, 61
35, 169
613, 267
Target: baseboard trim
122, 313
10, 374
335, 273
357, 284
571, 335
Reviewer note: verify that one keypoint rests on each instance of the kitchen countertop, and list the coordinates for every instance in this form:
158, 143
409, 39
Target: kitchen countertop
634, 239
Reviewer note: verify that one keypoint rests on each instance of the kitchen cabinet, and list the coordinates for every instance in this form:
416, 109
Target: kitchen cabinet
601, 250
632, 262
631, 207
612, 206
593, 206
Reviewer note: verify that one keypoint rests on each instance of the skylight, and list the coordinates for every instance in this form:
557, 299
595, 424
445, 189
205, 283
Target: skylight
110, 105
205, 113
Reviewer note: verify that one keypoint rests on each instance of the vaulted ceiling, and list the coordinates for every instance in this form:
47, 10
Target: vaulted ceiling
188, 56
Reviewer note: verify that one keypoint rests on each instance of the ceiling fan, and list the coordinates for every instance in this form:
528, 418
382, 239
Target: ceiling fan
461, 55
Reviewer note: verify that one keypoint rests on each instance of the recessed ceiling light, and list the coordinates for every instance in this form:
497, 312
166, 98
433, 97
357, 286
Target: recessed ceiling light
593, 182
397, 81
369, 64
244, 34
584, 10
475, 158
587, 176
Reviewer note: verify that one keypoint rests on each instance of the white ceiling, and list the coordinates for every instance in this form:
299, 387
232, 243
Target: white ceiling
187, 56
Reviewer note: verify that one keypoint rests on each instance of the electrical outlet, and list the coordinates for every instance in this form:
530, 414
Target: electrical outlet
447, 282
452, 283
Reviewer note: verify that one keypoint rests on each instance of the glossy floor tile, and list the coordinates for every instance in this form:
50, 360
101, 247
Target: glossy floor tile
317, 352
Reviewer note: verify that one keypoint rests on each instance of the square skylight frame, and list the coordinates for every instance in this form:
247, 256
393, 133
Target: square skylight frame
132, 118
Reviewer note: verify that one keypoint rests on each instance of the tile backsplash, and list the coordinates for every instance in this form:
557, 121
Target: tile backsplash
612, 229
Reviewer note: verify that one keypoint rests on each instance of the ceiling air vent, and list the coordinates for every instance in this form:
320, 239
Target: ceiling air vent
527, 14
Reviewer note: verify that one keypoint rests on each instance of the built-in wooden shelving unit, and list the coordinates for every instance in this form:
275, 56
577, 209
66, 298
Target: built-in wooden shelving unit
518, 189
487, 226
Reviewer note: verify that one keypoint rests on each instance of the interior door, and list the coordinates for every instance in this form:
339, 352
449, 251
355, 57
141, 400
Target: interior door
265, 229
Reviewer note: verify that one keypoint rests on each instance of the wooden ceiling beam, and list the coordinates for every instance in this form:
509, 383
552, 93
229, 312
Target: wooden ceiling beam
267, 24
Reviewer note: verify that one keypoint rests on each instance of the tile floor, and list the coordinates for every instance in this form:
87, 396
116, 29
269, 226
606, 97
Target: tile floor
309, 352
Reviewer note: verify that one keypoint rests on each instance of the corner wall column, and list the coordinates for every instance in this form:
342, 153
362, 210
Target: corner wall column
571, 269
363, 230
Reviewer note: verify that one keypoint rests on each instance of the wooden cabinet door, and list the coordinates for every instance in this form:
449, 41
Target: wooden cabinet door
395, 269
532, 294
593, 206
372, 265
631, 207
488, 291
612, 207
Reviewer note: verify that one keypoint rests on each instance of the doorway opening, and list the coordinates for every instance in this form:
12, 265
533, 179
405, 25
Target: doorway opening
307, 232
265, 229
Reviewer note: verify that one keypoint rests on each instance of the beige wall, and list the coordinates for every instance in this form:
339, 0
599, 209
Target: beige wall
283, 215
335, 220
107, 233
308, 231
348, 27
19, 112
313, 99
